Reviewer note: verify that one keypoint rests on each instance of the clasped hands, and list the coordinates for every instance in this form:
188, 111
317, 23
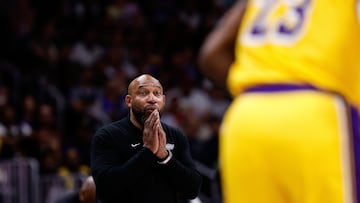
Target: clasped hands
154, 137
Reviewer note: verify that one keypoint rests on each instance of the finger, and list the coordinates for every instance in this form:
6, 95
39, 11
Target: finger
157, 114
156, 131
150, 120
157, 123
147, 122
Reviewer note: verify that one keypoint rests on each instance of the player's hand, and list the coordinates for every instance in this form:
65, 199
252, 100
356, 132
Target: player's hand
162, 152
150, 132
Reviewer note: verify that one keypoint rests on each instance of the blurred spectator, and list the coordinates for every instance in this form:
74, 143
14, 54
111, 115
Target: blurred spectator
28, 114
190, 15
88, 49
110, 105
44, 49
46, 117
4, 96
172, 114
82, 97
86, 194
116, 61
208, 152
50, 152
72, 163
190, 96
220, 101
122, 10
72, 167
8, 122
67, 71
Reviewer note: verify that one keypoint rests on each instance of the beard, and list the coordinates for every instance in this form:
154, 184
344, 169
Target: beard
141, 115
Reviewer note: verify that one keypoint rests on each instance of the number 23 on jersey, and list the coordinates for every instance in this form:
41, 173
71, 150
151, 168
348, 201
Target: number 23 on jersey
276, 21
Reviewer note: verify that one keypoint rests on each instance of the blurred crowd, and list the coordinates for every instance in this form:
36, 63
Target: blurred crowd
65, 66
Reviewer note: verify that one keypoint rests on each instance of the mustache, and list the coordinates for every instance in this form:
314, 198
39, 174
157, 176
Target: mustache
151, 107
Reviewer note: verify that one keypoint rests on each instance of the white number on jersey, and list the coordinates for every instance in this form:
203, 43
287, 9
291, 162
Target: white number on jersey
277, 22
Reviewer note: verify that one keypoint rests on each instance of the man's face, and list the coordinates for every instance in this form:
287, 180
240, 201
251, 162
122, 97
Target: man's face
145, 97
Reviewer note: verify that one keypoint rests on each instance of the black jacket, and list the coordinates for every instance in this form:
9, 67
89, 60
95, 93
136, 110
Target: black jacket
126, 172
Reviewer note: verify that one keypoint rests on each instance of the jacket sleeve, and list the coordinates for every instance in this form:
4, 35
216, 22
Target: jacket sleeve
111, 170
181, 169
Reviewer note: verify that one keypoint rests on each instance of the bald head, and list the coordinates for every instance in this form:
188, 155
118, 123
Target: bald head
142, 81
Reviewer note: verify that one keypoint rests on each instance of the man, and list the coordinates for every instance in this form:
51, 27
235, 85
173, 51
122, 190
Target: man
139, 159
86, 194
291, 133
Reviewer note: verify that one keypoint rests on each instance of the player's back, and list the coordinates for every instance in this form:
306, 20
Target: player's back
304, 41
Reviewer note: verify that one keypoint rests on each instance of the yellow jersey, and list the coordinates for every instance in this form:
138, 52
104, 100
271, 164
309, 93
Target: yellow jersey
314, 42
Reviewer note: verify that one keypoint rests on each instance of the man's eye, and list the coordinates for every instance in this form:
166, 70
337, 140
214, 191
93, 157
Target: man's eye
142, 93
157, 93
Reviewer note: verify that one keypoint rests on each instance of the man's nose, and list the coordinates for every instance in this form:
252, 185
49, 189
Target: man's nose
151, 98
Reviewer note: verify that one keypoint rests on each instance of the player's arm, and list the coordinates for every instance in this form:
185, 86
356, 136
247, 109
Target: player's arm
217, 51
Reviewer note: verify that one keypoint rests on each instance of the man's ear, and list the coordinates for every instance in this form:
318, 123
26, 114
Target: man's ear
128, 100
